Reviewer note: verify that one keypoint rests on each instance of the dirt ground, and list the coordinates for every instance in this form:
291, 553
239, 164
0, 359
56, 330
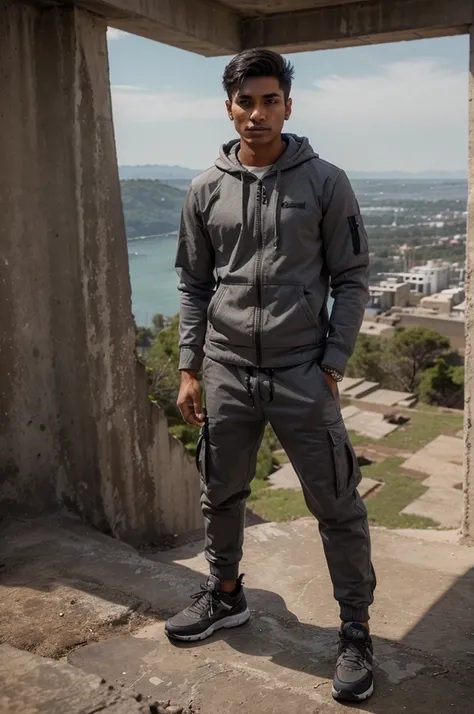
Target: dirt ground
49, 611
64, 620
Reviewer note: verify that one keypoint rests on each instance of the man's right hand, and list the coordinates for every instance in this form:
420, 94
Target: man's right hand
190, 399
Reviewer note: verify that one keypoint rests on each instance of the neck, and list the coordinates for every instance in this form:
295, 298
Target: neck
261, 155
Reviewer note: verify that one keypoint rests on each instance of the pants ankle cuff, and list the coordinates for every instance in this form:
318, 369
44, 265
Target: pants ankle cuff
354, 614
225, 572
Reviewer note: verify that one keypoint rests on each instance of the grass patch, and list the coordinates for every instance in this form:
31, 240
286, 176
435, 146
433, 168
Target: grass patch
384, 509
281, 459
399, 490
276, 505
423, 428
361, 440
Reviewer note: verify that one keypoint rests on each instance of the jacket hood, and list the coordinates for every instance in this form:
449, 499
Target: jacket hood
298, 150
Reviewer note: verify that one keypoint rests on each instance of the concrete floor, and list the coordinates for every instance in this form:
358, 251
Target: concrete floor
441, 460
422, 622
371, 424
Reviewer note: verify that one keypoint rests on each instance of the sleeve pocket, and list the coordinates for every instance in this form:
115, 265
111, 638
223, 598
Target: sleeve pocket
360, 242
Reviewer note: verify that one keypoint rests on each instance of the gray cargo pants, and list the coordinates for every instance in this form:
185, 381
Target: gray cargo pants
298, 403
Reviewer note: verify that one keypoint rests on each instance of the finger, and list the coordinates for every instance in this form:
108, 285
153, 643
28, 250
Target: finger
188, 414
197, 406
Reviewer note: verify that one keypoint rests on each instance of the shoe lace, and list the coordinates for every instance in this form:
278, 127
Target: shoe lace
352, 653
203, 600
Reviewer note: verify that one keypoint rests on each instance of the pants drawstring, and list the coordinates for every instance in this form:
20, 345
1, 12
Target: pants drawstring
248, 383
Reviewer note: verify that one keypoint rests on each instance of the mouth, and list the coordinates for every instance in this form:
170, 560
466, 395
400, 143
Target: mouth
257, 129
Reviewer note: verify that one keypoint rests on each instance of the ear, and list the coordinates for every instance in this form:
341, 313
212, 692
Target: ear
228, 106
288, 108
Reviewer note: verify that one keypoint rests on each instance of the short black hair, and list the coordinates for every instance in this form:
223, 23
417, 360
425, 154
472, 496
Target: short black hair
257, 63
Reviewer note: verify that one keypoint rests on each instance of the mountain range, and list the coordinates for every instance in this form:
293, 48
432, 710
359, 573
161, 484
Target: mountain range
181, 174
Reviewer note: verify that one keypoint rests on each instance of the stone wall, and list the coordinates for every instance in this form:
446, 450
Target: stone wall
76, 425
453, 329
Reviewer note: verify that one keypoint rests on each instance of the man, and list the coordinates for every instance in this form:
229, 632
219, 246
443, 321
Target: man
263, 232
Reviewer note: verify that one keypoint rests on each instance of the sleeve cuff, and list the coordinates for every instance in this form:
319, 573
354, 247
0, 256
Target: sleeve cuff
335, 358
191, 358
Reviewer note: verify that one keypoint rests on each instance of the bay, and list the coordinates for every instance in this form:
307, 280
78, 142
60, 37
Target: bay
153, 277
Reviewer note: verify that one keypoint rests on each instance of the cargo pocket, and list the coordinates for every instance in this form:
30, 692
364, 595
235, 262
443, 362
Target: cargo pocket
202, 453
346, 467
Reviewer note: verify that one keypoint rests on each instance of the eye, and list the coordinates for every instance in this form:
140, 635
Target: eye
270, 101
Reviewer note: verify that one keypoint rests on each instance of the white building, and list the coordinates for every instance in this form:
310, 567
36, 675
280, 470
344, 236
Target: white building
433, 277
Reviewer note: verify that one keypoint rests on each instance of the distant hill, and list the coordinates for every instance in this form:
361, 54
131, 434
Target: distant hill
183, 184
150, 207
181, 176
406, 176
157, 171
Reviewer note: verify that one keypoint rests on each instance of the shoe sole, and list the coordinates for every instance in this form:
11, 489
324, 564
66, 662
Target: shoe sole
346, 696
225, 623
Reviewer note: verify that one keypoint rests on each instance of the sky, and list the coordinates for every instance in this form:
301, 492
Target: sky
400, 106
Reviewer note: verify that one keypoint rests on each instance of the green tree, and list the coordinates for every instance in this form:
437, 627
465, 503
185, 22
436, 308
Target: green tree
159, 322
398, 362
410, 352
368, 359
144, 336
443, 385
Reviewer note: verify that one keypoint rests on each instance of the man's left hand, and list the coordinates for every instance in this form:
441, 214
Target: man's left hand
332, 384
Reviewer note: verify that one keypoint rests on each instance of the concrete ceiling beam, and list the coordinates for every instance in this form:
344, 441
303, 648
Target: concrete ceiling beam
359, 24
202, 26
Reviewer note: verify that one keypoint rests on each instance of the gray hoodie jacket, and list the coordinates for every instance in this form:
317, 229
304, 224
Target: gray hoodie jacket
256, 259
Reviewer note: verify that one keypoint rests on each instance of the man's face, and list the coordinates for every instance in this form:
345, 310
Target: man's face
258, 110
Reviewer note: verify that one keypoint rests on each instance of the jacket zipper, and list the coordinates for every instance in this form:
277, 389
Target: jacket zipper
258, 334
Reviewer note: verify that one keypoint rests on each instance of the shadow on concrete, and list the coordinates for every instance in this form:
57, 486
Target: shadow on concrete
447, 627
428, 670
275, 650
433, 660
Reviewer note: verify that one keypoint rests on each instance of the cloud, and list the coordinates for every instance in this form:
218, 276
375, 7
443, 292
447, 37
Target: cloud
114, 34
125, 88
408, 116
138, 105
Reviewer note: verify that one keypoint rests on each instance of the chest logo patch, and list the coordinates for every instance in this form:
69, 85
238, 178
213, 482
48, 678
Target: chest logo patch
293, 204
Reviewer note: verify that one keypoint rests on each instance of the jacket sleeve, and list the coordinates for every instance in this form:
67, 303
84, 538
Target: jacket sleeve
347, 258
195, 264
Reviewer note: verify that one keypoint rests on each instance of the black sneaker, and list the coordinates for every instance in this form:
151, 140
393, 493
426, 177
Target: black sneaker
211, 610
353, 680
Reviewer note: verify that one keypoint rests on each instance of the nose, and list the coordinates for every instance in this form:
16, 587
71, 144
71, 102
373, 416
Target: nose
258, 113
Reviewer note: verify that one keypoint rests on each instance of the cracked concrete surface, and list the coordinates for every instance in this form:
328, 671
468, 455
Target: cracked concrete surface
283, 659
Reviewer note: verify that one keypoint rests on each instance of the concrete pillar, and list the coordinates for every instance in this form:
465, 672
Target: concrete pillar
76, 425
468, 511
